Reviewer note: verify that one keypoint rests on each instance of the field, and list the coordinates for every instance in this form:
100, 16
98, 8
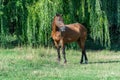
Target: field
41, 64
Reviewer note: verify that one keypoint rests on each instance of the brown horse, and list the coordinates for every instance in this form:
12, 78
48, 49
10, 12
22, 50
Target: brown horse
62, 34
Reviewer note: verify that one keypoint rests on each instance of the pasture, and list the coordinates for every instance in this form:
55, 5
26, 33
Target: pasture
41, 64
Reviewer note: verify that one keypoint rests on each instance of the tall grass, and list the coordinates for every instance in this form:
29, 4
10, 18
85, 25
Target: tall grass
41, 63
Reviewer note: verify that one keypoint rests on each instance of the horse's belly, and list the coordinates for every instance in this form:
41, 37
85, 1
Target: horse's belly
71, 36
70, 39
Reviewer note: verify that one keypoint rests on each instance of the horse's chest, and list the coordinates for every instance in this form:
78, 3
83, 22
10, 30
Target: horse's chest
56, 36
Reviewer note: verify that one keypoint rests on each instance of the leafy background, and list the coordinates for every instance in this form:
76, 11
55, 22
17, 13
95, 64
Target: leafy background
28, 22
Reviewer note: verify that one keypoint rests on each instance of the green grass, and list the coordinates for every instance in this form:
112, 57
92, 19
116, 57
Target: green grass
41, 64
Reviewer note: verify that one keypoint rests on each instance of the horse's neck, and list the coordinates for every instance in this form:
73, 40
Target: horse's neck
54, 27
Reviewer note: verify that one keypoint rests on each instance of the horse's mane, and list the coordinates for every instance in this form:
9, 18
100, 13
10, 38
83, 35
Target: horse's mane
54, 27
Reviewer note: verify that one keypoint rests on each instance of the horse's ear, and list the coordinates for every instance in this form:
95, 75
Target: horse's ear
57, 14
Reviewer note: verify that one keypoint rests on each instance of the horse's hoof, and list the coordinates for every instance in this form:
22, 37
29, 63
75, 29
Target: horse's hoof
65, 62
86, 62
58, 60
81, 62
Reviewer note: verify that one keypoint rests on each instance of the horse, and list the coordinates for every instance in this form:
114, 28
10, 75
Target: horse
62, 34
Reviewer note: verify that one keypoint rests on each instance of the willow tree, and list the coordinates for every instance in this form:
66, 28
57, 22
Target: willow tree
4, 17
118, 21
99, 24
29, 21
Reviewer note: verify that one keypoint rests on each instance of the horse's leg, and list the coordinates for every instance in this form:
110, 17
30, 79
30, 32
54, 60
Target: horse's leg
85, 56
63, 50
64, 54
58, 50
81, 43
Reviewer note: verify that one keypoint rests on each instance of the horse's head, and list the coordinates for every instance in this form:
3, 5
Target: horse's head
58, 18
57, 22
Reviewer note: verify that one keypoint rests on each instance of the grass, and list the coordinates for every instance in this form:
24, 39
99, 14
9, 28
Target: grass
41, 64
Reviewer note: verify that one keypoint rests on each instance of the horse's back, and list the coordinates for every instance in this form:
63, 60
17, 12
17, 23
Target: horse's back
77, 27
73, 32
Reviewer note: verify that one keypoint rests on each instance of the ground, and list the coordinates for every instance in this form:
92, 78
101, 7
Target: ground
41, 64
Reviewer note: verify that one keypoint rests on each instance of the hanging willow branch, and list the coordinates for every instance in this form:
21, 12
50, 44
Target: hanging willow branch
99, 24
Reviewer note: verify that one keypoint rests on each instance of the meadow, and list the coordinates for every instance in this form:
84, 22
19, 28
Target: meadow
41, 64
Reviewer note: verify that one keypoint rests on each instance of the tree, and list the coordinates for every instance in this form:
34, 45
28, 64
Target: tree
28, 22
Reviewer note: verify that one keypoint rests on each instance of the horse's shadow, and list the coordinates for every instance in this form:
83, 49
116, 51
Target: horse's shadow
103, 62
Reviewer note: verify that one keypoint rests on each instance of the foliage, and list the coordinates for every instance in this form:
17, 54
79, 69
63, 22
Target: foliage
99, 24
29, 21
